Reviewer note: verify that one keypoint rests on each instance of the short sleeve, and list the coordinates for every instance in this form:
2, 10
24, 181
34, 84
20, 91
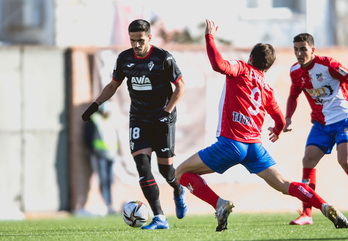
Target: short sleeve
172, 70
337, 71
118, 74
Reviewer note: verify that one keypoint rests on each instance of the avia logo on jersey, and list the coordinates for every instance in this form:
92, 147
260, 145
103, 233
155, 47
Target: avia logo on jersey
321, 92
141, 83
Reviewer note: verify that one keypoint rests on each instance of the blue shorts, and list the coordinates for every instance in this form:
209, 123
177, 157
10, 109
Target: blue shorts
226, 153
326, 136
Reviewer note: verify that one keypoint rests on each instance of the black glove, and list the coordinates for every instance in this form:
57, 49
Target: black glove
87, 115
164, 117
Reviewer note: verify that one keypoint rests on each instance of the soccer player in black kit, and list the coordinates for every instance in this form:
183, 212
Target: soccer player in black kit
150, 72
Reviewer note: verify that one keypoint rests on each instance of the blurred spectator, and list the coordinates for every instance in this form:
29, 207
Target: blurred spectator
101, 141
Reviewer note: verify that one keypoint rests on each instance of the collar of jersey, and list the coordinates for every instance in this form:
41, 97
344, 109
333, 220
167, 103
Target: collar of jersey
147, 56
310, 66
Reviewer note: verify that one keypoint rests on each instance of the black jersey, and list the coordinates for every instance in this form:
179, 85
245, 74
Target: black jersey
148, 80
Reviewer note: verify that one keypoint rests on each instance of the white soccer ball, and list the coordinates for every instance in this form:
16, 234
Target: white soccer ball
135, 214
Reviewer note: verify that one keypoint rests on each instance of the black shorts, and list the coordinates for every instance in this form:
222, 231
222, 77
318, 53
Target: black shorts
158, 136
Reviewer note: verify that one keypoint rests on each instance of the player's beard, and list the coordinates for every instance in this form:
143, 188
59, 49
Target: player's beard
301, 61
139, 52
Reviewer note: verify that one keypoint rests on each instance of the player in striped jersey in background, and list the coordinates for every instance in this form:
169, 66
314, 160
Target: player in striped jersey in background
323, 80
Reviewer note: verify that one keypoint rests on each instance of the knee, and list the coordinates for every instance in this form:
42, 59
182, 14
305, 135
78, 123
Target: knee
143, 164
285, 187
313, 155
167, 171
344, 164
178, 173
305, 160
309, 162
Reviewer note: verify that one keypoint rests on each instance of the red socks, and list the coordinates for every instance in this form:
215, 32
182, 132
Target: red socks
309, 178
198, 187
306, 194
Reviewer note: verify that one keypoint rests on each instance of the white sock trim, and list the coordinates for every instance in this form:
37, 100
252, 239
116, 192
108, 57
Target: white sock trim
161, 217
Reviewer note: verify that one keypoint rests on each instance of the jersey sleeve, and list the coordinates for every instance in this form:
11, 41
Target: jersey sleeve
171, 68
217, 62
291, 106
295, 91
337, 71
275, 112
118, 74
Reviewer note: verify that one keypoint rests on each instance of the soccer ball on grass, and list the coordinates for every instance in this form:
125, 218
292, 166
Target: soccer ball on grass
135, 214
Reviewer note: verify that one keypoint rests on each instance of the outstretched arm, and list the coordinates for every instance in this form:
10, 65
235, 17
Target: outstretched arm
108, 91
211, 28
217, 62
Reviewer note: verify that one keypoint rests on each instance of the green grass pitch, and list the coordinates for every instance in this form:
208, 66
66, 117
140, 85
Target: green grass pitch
242, 226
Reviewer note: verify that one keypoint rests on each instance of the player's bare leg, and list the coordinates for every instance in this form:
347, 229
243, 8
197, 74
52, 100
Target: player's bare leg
342, 155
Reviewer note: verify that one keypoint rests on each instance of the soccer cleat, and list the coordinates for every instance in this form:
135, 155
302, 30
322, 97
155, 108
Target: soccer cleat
303, 219
223, 210
157, 223
335, 216
180, 205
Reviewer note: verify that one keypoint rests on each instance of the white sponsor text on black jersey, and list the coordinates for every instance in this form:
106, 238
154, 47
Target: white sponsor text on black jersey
148, 80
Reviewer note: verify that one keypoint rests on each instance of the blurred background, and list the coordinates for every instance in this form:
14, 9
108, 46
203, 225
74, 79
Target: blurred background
57, 55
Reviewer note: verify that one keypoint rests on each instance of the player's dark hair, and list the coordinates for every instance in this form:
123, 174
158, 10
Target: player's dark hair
304, 37
139, 25
263, 56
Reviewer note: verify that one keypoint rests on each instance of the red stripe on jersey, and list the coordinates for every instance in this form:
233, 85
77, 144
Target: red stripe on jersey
147, 56
116, 80
177, 80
